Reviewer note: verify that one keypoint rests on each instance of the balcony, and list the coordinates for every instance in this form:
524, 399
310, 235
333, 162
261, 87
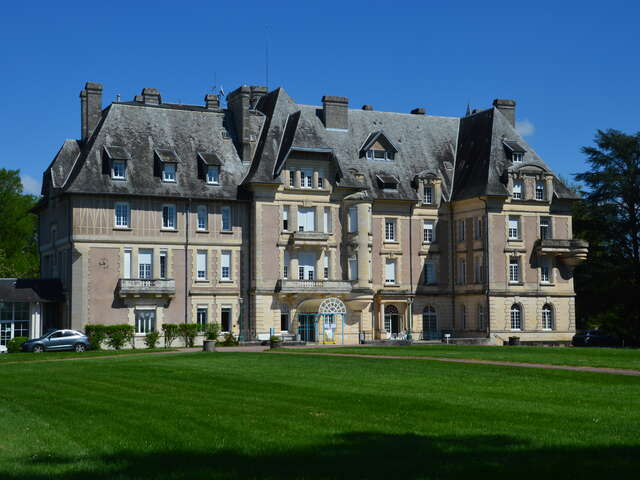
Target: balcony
309, 239
137, 287
313, 286
569, 252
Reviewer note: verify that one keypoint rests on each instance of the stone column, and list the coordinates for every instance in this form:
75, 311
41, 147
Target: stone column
293, 265
320, 265
332, 264
293, 218
315, 179
363, 244
298, 181
319, 218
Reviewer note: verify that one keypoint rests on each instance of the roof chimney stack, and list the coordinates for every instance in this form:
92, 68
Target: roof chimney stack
367, 107
335, 112
212, 101
418, 111
90, 108
151, 96
508, 109
257, 92
238, 104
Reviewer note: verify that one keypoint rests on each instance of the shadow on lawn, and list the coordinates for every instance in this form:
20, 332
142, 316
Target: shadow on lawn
353, 455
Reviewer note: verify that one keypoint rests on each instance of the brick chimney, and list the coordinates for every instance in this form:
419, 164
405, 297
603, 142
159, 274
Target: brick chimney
335, 112
90, 109
257, 92
151, 96
508, 109
238, 104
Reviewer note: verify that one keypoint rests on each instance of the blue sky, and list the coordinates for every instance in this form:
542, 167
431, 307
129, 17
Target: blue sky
571, 66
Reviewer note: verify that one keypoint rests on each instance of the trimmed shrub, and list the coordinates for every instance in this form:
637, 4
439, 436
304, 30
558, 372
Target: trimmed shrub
119, 335
151, 339
15, 344
170, 331
212, 331
97, 334
229, 341
274, 342
188, 332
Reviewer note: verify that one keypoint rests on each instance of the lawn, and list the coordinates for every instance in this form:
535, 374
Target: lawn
285, 416
582, 357
31, 357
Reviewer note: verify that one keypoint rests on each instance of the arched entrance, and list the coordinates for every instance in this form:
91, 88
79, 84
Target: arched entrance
320, 320
392, 320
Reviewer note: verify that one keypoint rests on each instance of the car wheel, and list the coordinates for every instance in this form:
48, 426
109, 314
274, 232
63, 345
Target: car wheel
38, 349
80, 347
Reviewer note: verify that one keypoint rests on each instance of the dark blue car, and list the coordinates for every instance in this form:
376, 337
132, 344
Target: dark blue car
595, 338
57, 340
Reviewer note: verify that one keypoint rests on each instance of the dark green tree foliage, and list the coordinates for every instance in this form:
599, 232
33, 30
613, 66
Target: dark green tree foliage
18, 227
608, 284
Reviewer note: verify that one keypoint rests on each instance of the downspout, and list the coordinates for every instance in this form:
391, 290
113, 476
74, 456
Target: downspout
410, 306
453, 265
186, 258
250, 264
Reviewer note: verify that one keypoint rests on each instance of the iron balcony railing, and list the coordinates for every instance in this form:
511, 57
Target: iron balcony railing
147, 286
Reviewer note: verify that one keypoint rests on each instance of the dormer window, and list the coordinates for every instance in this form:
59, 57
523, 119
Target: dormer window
517, 190
515, 150
213, 175
380, 155
378, 147
540, 191
428, 194
169, 172
118, 169
387, 182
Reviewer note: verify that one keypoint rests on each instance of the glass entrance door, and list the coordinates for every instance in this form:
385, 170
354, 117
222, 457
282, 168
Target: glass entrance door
307, 327
145, 263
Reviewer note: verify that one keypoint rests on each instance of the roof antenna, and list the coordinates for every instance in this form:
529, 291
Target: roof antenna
117, 98
468, 108
266, 55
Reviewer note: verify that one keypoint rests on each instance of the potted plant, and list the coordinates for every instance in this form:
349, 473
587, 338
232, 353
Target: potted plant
211, 337
274, 342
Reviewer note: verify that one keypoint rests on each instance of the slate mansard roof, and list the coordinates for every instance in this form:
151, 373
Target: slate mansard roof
470, 155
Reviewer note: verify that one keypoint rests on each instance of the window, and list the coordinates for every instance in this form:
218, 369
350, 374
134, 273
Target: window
517, 190
292, 178
390, 271
306, 265
547, 317
122, 215
477, 229
306, 219
325, 265
306, 177
545, 228
127, 263
168, 172
163, 264
478, 270
284, 318
201, 265
14, 320
429, 273
481, 325
285, 267
145, 264
514, 270
285, 218
320, 179
462, 271
213, 175
382, 155
428, 232
428, 194
169, 217
118, 169
461, 230
353, 220
202, 318
225, 265
429, 323
540, 193
463, 317
225, 319
145, 321
514, 228
545, 270
202, 217
390, 230
517, 157
516, 317
326, 219
226, 219
353, 268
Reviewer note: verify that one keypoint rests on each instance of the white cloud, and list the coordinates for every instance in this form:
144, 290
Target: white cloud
525, 128
30, 185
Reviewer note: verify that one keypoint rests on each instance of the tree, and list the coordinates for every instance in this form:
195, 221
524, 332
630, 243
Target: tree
609, 218
18, 228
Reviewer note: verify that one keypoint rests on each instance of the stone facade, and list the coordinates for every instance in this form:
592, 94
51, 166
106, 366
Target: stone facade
326, 223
